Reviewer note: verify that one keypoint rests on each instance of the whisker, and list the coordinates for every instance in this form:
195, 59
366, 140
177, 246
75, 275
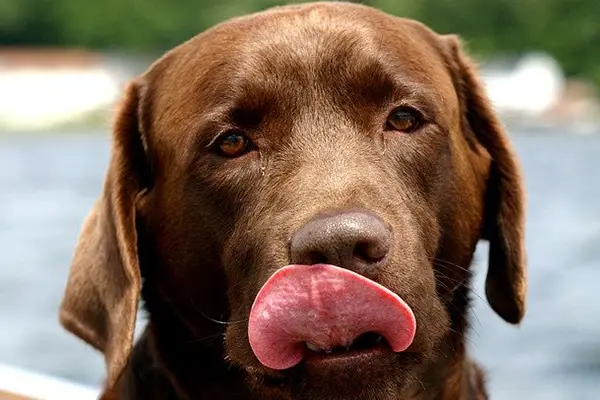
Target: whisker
446, 264
471, 290
466, 337
455, 280
216, 321
197, 340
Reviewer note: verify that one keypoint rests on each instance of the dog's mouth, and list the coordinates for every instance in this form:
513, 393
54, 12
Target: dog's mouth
364, 342
366, 346
323, 313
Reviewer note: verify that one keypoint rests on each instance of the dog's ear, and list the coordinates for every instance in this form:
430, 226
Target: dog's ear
101, 297
504, 219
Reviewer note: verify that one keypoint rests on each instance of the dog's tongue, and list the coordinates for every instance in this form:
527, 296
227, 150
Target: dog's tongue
325, 306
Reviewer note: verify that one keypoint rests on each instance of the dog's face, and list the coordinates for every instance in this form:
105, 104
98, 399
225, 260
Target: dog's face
323, 134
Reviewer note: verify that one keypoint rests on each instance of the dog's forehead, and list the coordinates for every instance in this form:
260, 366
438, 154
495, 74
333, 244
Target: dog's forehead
287, 54
299, 39
308, 46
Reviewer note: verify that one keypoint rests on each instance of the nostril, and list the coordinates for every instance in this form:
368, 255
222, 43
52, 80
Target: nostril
369, 252
317, 257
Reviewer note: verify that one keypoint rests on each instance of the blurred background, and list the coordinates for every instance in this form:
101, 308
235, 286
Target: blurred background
63, 64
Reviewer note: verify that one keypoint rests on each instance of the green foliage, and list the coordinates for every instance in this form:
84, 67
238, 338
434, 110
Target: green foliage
568, 29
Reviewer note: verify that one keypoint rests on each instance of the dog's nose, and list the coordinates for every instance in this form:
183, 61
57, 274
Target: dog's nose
358, 241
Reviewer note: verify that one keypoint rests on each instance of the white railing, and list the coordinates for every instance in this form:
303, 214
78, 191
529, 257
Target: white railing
38, 386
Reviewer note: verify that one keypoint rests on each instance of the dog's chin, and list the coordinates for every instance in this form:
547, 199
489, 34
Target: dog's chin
375, 373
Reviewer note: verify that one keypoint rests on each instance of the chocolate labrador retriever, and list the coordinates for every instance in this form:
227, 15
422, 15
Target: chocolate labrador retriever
296, 196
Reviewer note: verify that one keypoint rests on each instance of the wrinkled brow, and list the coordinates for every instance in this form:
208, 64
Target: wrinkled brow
279, 88
378, 85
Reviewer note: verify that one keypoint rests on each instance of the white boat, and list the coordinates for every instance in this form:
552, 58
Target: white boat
20, 384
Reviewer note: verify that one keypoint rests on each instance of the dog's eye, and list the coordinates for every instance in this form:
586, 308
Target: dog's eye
403, 119
233, 144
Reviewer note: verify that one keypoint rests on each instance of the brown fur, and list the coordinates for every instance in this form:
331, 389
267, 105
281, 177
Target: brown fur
196, 235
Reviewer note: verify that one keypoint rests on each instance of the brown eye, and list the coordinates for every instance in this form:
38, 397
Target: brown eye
233, 144
403, 119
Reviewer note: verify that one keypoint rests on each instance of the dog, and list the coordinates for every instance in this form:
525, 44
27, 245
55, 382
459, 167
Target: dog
295, 197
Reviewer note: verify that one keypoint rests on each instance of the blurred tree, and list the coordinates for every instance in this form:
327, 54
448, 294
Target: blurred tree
568, 29
24, 22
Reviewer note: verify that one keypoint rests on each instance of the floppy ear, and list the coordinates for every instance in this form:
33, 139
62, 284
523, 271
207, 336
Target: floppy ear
504, 220
101, 297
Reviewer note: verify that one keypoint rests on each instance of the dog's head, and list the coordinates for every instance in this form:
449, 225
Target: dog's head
329, 136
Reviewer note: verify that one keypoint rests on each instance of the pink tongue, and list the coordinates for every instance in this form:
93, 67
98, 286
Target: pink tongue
326, 306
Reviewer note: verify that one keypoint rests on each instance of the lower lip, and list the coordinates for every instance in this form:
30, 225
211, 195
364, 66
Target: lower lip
339, 359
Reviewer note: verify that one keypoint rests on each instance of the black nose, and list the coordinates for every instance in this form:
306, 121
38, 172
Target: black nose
358, 241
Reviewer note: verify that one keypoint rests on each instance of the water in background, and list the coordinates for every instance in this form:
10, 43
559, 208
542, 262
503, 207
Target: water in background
49, 182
